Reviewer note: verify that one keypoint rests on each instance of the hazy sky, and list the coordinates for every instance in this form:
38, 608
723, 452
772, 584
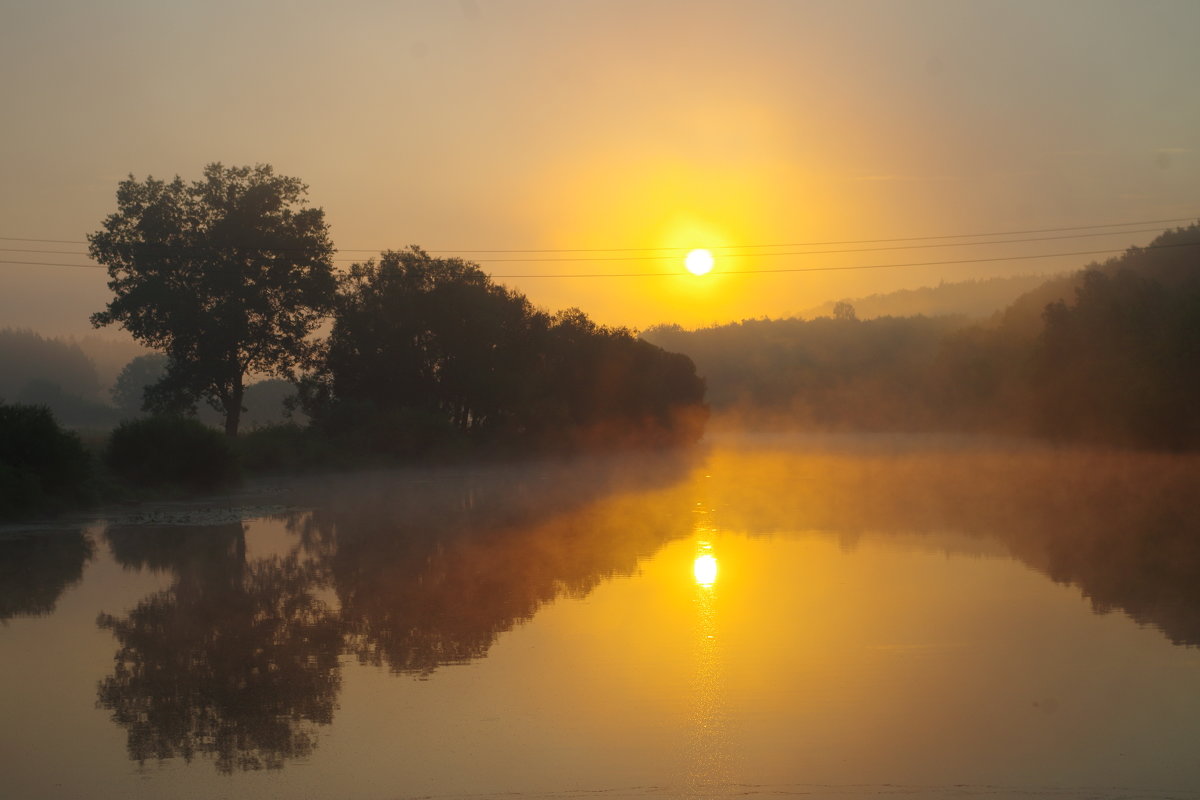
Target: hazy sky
533, 124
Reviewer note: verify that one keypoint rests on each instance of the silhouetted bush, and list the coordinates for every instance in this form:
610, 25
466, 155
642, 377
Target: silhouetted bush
163, 451
288, 448
42, 467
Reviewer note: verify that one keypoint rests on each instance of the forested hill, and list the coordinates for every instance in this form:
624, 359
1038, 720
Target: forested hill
1109, 354
975, 298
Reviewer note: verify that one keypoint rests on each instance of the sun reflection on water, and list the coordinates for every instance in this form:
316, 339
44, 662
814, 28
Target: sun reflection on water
704, 569
710, 747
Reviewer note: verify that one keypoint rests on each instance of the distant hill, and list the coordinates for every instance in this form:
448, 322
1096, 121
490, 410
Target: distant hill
1169, 260
1108, 354
976, 299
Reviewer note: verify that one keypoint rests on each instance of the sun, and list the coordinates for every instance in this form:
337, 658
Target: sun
699, 262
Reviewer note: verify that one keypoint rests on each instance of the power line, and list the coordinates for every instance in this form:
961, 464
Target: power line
822, 252
672, 257
753, 271
845, 241
726, 247
854, 266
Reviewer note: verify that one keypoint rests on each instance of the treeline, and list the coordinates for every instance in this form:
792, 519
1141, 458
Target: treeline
1109, 355
429, 350
232, 275
64, 377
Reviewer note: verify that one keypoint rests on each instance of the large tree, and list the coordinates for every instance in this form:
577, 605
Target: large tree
226, 275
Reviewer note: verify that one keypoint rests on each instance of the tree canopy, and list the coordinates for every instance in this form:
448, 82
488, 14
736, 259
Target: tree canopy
225, 275
430, 347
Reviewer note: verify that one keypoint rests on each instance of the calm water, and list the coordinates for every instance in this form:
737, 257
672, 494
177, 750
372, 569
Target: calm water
818, 618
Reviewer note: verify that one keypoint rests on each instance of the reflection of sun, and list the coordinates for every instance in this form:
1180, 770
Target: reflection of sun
699, 262
704, 568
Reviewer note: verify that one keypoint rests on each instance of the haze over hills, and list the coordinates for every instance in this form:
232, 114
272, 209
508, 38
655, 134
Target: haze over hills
976, 299
1106, 354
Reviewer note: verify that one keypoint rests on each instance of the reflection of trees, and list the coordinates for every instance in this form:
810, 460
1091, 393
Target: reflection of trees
35, 569
1122, 526
430, 573
237, 661
189, 551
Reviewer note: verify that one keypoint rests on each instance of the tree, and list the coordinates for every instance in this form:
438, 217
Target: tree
142, 372
227, 275
42, 467
424, 347
845, 311
433, 337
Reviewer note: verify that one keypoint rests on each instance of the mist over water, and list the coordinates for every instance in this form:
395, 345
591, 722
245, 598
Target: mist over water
769, 613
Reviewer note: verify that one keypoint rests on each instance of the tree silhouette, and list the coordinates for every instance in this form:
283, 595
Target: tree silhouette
142, 372
843, 310
426, 349
430, 335
1122, 364
226, 276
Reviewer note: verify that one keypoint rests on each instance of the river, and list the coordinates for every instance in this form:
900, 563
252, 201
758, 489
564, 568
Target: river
802, 616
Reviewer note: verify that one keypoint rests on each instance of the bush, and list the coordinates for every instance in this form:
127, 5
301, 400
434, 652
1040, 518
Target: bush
171, 451
42, 467
283, 448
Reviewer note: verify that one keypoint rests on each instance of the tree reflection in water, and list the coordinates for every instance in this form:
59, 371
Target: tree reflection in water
238, 659
37, 567
1123, 526
429, 573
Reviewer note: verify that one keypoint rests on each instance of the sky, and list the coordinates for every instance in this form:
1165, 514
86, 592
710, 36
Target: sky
598, 125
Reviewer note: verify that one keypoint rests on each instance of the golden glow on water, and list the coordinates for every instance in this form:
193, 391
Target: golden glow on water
768, 624
708, 770
704, 569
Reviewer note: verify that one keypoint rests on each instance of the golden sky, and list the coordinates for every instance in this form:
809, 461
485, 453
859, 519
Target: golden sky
591, 124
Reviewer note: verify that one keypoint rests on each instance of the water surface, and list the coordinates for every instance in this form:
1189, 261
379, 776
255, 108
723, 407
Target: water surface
856, 617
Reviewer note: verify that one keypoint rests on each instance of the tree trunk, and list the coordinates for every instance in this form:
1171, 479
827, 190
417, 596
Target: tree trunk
233, 409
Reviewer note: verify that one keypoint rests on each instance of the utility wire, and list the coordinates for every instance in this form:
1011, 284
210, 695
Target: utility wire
727, 247
849, 267
754, 271
673, 257
846, 241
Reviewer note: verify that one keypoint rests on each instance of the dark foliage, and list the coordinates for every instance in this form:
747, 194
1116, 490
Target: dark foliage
170, 451
226, 276
142, 372
43, 468
426, 352
1123, 363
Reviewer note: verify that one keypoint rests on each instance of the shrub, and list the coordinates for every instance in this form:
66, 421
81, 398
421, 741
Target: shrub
42, 467
166, 451
283, 448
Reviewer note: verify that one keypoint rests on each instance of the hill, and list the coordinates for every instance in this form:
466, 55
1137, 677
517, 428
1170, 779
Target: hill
976, 299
